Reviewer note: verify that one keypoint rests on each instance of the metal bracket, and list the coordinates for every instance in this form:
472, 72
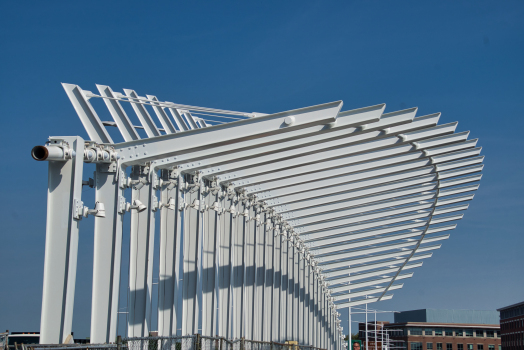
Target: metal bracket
121, 204
78, 209
155, 203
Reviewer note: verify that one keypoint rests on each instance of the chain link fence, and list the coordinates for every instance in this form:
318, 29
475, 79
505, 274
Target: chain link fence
190, 342
198, 342
161, 343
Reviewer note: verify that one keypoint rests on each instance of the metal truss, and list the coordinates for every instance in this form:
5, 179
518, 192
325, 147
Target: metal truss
268, 223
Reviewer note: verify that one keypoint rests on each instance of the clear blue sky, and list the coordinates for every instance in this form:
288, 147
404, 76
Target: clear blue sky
462, 58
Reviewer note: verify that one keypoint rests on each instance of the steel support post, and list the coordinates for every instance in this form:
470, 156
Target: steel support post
229, 220
236, 290
328, 335
224, 268
249, 273
277, 284
217, 305
238, 274
61, 247
310, 305
107, 254
285, 290
210, 236
315, 308
376, 339
366, 347
189, 263
169, 237
141, 248
333, 331
290, 291
302, 305
349, 324
199, 226
259, 314
192, 287
245, 260
323, 319
269, 270
318, 316
305, 312
178, 302
296, 294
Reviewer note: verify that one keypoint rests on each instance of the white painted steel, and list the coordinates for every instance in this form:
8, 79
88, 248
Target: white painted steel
266, 218
61, 245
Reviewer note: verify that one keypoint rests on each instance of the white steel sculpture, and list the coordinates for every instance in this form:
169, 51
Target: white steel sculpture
268, 223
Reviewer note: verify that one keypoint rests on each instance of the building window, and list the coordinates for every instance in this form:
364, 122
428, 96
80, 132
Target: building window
479, 333
448, 332
500, 347
491, 347
480, 346
415, 331
429, 346
428, 331
438, 331
460, 346
490, 334
439, 346
459, 332
449, 346
416, 346
470, 346
469, 332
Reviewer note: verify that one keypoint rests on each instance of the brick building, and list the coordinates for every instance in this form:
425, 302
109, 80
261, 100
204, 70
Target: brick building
512, 326
430, 329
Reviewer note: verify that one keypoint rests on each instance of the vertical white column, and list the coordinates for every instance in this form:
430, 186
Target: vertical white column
178, 303
376, 338
269, 268
233, 290
349, 326
300, 298
199, 298
290, 293
225, 249
284, 290
190, 313
209, 280
312, 305
305, 322
217, 301
316, 319
237, 278
296, 294
61, 246
107, 253
276, 334
366, 348
245, 259
142, 240
167, 273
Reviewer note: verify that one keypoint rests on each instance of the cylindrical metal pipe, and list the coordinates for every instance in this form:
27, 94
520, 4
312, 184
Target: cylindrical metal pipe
42, 153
